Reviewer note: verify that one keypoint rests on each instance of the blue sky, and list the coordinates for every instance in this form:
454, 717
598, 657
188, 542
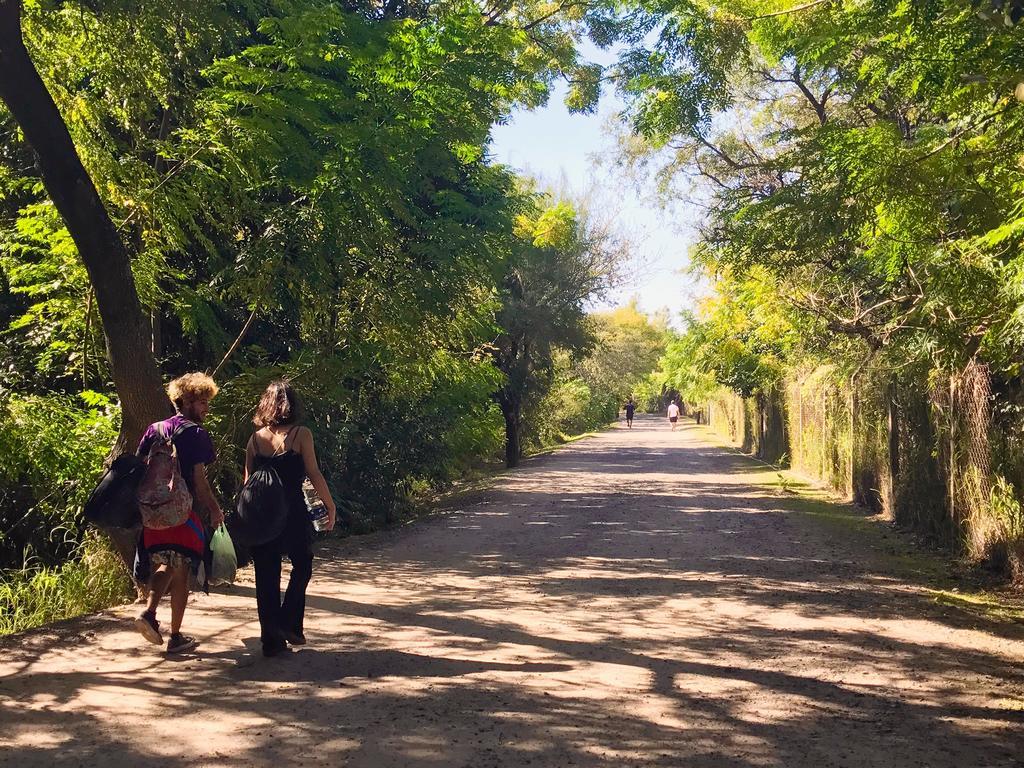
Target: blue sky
560, 149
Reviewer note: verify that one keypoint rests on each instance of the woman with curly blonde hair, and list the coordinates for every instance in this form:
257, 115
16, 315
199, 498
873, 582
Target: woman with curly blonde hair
174, 552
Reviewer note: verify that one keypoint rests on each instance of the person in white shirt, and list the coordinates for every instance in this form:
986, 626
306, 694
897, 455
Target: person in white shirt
673, 414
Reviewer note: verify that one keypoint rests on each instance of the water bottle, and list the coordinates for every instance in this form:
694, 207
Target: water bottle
317, 509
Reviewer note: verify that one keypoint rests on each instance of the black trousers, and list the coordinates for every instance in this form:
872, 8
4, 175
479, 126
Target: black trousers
277, 615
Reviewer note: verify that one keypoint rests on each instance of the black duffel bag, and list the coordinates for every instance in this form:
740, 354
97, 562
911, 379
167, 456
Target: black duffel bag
261, 512
112, 503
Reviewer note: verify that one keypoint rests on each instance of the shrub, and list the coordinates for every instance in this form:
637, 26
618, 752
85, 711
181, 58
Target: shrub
52, 449
92, 579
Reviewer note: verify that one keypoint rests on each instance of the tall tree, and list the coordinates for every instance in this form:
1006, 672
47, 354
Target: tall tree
99, 244
567, 258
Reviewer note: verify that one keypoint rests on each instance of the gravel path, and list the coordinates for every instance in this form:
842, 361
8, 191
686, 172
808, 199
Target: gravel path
640, 598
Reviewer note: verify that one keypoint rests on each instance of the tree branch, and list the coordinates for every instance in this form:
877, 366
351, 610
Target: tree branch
235, 344
796, 9
956, 136
545, 17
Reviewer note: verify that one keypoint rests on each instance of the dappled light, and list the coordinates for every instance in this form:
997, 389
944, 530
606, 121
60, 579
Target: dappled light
609, 604
777, 522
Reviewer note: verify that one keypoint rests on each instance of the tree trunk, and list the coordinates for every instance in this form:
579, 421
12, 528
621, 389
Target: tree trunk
128, 335
513, 442
893, 433
126, 330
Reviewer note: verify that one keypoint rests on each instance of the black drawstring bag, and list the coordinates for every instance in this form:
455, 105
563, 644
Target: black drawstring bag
260, 514
112, 503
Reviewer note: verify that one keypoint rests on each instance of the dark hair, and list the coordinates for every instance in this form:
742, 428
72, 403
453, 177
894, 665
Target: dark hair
279, 405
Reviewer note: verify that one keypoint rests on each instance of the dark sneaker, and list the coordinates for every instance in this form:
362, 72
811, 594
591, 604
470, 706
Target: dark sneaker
294, 638
181, 643
149, 628
276, 649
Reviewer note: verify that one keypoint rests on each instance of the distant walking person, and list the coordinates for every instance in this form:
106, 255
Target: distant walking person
281, 443
630, 410
673, 414
172, 552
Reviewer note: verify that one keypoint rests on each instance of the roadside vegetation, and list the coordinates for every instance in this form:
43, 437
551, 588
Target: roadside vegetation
296, 189
859, 164
304, 189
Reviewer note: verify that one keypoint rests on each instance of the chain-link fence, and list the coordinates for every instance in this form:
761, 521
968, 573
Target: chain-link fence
871, 419
818, 404
939, 453
755, 424
726, 413
984, 466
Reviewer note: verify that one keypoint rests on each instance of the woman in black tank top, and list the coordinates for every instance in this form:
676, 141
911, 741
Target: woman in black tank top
289, 465
281, 443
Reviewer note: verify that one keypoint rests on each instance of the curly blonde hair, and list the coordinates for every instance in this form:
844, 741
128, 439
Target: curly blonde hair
194, 386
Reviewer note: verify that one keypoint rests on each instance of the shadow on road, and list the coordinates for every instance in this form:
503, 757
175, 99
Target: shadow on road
613, 604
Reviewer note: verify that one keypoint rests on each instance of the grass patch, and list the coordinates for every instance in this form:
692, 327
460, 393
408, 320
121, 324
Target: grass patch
563, 439
940, 577
92, 580
840, 519
989, 605
904, 555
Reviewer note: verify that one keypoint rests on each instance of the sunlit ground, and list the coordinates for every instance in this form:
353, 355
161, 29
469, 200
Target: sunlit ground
640, 598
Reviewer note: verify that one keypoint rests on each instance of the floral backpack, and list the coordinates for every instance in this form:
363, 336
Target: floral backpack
164, 498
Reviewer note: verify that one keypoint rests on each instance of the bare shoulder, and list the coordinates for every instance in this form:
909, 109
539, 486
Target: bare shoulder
303, 437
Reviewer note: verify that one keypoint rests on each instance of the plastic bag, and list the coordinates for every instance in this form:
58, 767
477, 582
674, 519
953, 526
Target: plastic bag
225, 563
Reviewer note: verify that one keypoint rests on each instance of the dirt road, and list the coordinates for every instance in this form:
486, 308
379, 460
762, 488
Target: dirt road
635, 599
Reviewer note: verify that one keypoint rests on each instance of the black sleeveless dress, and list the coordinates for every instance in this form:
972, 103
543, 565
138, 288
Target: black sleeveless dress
283, 619
292, 470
